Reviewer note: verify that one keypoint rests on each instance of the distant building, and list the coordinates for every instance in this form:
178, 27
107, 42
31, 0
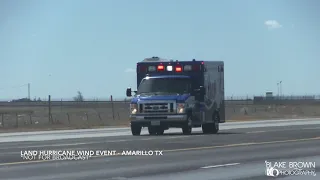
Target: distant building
269, 96
21, 100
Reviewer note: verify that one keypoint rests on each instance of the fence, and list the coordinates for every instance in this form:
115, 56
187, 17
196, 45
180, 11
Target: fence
228, 98
88, 114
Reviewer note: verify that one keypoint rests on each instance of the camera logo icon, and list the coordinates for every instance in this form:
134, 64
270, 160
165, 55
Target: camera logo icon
270, 171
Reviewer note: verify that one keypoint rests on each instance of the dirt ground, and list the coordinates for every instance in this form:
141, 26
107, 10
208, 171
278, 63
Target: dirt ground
13, 119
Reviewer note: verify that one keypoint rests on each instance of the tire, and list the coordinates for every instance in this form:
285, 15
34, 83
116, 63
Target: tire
215, 127
152, 130
186, 129
206, 128
136, 130
212, 128
160, 131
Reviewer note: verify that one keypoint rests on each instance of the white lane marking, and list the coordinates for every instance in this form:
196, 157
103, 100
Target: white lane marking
87, 143
221, 165
278, 130
103, 133
175, 137
312, 128
98, 130
256, 132
125, 140
54, 145
119, 178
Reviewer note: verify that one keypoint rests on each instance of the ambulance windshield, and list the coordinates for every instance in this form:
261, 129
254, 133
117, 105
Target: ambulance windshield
165, 86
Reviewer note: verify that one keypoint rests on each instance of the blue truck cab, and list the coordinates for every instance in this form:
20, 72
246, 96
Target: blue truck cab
177, 94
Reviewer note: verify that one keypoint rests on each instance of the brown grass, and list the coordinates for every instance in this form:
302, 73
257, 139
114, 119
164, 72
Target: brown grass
18, 119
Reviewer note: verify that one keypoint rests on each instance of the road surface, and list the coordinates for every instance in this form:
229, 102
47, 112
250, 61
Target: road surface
235, 153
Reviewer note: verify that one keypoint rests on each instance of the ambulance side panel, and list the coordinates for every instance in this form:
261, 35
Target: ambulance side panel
214, 90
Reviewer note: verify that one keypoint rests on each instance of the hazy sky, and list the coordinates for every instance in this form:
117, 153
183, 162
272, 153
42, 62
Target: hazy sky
62, 46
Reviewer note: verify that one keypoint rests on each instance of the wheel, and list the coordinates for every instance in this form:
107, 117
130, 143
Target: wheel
152, 130
215, 127
135, 130
160, 131
187, 128
212, 128
206, 128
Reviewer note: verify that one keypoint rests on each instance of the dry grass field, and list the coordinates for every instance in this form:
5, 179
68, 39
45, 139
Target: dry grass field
23, 117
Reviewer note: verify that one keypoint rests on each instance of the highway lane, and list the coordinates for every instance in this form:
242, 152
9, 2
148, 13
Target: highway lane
124, 131
239, 171
167, 141
244, 151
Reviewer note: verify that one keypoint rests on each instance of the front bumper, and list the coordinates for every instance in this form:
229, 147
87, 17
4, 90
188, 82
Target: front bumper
176, 120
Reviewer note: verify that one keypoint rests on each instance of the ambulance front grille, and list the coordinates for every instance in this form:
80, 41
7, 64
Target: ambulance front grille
156, 107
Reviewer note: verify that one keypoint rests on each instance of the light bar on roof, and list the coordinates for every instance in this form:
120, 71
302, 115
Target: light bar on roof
187, 68
169, 68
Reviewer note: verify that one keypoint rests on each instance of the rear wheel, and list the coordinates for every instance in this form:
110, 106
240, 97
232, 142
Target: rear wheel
206, 128
135, 129
212, 128
160, 131
215, 127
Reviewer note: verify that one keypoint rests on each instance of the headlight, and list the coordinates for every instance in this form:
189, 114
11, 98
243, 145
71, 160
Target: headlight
133, 108
180, 108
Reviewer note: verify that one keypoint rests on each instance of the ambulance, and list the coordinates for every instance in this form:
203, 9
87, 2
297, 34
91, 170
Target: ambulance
177, 94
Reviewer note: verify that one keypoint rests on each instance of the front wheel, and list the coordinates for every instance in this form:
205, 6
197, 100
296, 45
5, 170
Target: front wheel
187, 128
136, 130
154, 130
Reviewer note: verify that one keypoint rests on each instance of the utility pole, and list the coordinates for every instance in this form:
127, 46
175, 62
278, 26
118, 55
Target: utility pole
278, 91
29, 91
281, 89
112, 106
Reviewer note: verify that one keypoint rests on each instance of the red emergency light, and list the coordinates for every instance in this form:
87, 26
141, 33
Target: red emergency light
160, 68
178, 68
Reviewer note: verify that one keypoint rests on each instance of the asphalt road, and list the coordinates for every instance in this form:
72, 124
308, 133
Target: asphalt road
232, 154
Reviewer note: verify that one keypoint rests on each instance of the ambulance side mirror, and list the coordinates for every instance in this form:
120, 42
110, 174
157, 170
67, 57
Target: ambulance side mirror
129, 92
